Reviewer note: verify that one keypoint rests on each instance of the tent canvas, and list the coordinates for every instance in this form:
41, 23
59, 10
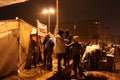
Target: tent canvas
10, 2
14, 44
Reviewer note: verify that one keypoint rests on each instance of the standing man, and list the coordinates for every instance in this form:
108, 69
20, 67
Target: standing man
49, 48
45, 50
76, 53
60, 48
34, 50
67, 40
110, 58
32, 54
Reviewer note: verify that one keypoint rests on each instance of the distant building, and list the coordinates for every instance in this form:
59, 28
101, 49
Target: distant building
90, 30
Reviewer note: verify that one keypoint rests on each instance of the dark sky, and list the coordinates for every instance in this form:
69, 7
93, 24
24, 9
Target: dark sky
70, 11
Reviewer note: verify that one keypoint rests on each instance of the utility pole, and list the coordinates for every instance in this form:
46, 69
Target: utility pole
57, 18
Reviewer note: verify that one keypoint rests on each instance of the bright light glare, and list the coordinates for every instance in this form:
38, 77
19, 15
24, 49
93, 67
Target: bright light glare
52, 10
46, 11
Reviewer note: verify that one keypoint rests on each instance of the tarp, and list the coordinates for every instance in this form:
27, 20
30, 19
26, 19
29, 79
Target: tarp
14, 44
10, 2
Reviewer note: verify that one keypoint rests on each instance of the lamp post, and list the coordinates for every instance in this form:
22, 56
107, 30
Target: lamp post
57, 18
97, 33
48, 11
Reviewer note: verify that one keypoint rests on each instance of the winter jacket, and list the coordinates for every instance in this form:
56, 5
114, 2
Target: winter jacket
60, 45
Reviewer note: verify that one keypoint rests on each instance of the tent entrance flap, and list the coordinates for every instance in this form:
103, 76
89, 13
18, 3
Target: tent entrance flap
8, 54
12, 42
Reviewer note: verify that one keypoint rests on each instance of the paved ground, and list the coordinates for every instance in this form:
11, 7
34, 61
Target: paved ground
40, 73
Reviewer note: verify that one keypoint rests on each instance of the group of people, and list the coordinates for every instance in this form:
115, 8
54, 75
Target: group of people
67, 47
58, 45
96, 55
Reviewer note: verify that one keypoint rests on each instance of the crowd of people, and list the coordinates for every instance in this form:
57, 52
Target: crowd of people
66, 48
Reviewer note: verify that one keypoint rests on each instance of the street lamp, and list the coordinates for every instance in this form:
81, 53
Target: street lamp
57, 18
97, 33
48, 11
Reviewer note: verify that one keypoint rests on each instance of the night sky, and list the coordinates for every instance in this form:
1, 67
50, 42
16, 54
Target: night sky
70, 11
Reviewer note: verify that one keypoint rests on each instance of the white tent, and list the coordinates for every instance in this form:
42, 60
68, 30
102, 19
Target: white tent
10, 2
14, 44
